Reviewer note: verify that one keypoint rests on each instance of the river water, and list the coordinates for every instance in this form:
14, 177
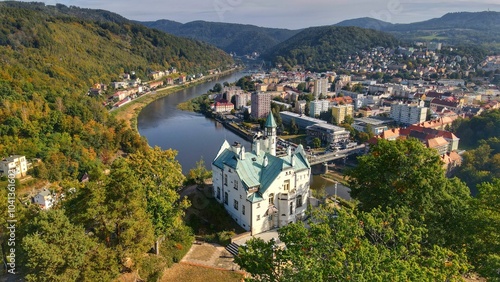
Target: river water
193, 135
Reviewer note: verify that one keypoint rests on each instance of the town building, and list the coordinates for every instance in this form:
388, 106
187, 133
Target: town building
242, 100
44, 199
258, 189
373, 125
261, 104
321, 86
438, 105
300, 107
230, 91
440, 140
328, 133
340, 112
408, 113
302, 121
223, 106
14, 163
358, 99
316, 107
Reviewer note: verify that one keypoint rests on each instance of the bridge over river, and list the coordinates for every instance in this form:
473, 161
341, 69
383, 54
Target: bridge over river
340, 154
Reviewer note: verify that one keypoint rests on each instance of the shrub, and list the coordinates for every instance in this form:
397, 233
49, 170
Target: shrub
224, 237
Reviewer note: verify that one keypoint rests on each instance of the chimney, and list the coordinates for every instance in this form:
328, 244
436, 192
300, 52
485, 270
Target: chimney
292, 157
257, 147
236, 148
289, 150
266, 161
242, 153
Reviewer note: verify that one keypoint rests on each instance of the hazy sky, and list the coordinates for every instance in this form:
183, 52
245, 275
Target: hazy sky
292, 14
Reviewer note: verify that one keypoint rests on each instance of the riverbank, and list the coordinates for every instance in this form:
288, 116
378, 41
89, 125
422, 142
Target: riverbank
130, 111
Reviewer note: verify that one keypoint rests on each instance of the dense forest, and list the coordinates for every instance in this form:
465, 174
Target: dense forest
238, 38
50, 57
320, 48
48, 64
481, 136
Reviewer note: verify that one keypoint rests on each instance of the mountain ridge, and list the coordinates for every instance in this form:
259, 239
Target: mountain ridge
456, 28
230, 37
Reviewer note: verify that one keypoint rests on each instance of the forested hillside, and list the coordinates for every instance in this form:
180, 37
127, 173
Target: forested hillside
463, 28
50, 59
239, 38
50, 56
319, 48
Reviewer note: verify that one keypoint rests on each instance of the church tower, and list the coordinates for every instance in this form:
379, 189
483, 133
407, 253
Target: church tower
270, 134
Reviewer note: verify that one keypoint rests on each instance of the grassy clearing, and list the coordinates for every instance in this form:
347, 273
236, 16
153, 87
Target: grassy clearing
297, 139
185, 272
203, 253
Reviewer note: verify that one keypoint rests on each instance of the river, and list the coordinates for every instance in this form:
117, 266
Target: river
193, 135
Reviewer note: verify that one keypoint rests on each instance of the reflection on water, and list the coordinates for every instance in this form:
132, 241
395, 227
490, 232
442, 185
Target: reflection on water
192, 135
319, 182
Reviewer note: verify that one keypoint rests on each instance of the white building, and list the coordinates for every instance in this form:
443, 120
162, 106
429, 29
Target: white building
328, 133
408, 114
16, 163
44, 199
321, 86
242, 100
258, 189
365, 124
316, 107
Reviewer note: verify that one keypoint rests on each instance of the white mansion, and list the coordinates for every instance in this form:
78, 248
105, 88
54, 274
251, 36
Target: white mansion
260, 190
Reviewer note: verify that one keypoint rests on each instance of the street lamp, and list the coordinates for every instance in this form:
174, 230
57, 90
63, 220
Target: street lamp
336, 191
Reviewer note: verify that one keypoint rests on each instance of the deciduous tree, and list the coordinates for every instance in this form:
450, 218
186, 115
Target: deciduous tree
340, 245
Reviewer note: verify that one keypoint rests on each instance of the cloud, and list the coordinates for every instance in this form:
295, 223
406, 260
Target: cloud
291, 14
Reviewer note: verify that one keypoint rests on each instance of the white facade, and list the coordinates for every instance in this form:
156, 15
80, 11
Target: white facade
44, 199
15, 163
408, 114
318, 106
242, 100
321, 86
258, 189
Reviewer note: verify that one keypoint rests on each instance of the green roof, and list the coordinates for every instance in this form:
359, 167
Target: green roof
251, 169
270, 122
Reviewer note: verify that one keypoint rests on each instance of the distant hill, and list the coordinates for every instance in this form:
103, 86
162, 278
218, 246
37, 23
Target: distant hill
239, 38
482, 21
318, 48
369, 23
463, 28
